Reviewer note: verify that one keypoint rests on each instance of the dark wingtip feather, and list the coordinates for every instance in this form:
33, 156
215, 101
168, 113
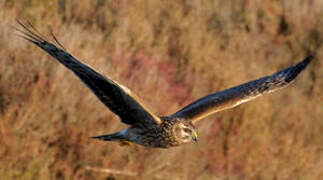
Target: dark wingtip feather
95, 137
295, 70
30, 33
98, 137
102, 137
302, 65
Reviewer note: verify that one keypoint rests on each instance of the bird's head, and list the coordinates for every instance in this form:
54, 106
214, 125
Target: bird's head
185, 132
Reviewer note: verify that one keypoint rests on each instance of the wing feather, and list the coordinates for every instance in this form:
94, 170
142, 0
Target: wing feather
116, 97
232, 97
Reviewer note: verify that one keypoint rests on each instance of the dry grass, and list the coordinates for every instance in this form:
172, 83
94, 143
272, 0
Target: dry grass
170, 53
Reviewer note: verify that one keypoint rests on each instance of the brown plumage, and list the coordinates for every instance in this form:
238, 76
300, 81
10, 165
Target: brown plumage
146, 128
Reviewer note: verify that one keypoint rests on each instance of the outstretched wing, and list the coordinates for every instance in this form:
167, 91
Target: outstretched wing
116, 97
232, 97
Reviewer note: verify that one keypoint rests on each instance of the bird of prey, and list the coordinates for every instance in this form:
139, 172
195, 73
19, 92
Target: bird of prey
145, 127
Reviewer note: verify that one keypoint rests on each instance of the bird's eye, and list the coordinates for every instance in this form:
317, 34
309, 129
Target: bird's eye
187, 130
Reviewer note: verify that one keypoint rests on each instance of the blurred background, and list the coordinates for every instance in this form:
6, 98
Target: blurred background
169, 53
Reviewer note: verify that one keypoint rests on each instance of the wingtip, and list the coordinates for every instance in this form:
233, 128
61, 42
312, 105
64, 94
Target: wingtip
95, 137
298, 68
102, 137
309, 58
302, 65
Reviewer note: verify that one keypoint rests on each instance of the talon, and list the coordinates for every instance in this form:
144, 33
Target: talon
126, 143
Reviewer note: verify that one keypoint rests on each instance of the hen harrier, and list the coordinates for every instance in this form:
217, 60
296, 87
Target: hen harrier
146, 128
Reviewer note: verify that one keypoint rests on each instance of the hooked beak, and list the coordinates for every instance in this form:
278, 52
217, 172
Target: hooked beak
195, 139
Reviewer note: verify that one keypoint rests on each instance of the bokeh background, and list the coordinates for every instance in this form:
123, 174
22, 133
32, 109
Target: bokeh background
169, 53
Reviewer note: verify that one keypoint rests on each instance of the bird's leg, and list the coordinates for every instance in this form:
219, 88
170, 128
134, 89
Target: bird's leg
124, 142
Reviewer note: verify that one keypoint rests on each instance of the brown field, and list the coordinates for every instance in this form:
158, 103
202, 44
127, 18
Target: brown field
169, 53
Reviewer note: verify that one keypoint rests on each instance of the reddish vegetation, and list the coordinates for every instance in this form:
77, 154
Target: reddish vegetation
169, 53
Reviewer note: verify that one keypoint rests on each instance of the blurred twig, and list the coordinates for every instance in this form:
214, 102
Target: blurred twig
128, 173
156, 169
111, 171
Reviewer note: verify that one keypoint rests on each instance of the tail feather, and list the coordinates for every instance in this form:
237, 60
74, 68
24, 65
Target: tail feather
110, 137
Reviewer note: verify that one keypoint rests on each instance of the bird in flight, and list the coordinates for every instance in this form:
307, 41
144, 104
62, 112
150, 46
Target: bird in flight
145, 127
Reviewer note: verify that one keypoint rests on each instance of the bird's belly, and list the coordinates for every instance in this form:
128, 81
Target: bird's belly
155, 138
